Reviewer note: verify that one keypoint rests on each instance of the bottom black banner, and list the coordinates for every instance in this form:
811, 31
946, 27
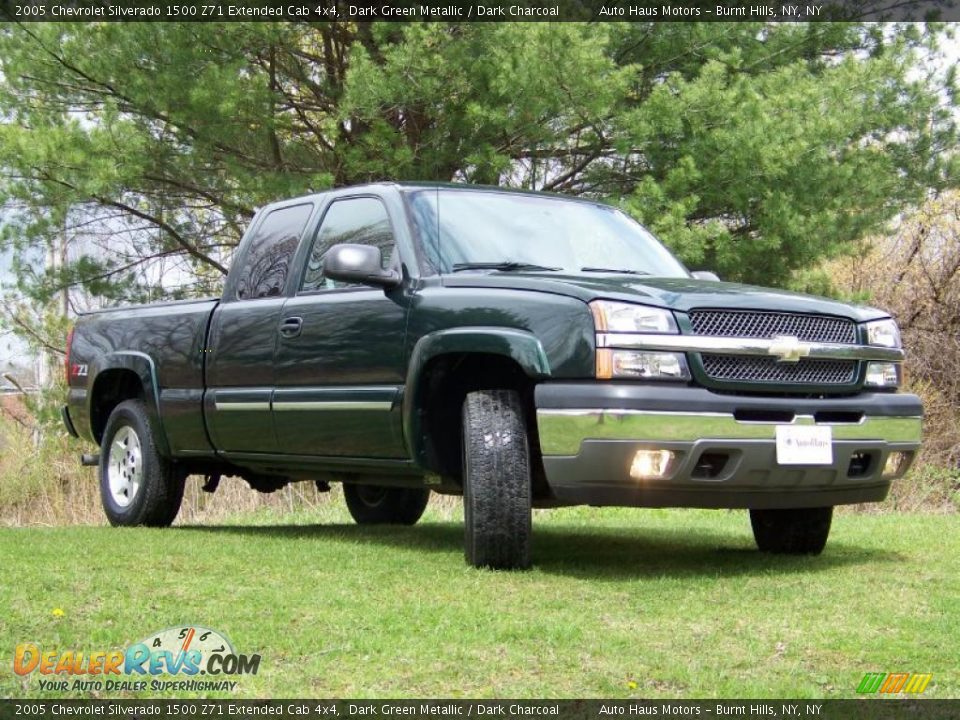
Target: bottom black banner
873, 709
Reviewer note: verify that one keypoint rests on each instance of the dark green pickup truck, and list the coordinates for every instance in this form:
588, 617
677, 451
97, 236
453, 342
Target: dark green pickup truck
521, 349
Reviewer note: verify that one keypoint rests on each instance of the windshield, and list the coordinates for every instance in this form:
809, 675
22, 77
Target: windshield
467, 230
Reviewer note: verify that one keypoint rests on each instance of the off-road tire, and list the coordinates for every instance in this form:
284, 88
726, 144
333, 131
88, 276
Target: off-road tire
379, 505
156, 501
496, 481
801, 531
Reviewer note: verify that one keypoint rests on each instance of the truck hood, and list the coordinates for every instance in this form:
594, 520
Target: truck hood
680, 294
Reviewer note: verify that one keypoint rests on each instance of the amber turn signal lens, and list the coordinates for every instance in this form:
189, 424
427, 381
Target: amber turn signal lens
604, 364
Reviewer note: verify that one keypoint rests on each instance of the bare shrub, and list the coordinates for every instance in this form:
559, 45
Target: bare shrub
915, 275
45, 484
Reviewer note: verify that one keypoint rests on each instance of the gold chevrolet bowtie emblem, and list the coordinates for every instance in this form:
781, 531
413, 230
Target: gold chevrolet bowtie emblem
788, 348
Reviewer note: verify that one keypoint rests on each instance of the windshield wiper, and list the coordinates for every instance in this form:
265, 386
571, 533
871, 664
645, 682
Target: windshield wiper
622, 271
503, 266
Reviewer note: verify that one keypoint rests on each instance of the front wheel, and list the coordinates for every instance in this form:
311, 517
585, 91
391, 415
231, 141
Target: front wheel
379, 505
496, 481
800, 531
138, 486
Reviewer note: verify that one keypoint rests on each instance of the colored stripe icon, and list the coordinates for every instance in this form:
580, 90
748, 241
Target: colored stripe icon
892, 683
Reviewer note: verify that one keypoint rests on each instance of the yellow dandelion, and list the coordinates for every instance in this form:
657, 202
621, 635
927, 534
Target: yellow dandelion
58, 612
632, 684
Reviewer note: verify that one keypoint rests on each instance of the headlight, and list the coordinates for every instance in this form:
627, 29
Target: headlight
883, 333
641, 365
618, 317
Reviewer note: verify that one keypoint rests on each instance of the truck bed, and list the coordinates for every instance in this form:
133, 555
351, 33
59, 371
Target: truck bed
161, 342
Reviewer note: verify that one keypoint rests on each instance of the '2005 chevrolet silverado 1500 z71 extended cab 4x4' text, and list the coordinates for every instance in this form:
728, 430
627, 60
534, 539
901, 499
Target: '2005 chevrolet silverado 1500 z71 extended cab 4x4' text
521, 349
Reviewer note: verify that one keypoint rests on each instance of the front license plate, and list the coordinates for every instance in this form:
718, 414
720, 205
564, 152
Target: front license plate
804, 445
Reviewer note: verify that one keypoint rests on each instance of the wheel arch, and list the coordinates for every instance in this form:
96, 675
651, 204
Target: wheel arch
445, 366
125, 375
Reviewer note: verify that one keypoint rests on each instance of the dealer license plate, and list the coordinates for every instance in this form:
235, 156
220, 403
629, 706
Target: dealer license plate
804, 445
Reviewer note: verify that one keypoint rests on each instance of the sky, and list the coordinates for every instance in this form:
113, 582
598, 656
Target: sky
12, 350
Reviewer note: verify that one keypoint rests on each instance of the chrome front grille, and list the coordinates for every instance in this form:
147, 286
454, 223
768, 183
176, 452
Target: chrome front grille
766, 325
760, 324
755, 369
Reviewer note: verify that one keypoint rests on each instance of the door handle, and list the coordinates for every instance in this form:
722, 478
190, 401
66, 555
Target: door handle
291, 327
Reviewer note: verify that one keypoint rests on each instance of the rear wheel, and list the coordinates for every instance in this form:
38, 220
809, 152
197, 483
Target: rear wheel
138, 486
379, 505
800, 531
496, 481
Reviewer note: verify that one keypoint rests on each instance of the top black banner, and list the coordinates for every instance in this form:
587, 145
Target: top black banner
481, 709
467, 11
891, 709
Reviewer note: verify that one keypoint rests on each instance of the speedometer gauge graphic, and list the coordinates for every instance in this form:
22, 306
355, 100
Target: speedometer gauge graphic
185, 638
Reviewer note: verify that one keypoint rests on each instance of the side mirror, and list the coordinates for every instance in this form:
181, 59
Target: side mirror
705, 275
362, 264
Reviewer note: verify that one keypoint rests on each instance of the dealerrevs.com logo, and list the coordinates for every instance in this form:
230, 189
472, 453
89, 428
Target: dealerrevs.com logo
181, 652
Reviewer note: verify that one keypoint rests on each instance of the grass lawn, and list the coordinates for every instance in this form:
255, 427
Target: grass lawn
622, 603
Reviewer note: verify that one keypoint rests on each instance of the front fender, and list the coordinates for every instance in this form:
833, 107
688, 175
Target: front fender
521, 346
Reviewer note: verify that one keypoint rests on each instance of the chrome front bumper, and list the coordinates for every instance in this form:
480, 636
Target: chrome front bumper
562, 432
589, 434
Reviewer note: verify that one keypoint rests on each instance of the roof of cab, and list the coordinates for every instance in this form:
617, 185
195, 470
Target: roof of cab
414, 185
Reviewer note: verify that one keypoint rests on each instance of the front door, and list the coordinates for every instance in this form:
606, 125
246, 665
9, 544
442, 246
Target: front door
339, 368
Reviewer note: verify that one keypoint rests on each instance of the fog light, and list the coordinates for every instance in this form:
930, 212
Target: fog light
895, 465
652, 464
883, 374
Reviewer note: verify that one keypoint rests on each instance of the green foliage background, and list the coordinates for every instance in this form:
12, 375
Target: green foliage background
751, 149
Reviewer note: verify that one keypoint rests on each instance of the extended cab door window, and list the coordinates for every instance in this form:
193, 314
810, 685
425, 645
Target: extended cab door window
363, 221
266, 262
243, 335
339, 379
